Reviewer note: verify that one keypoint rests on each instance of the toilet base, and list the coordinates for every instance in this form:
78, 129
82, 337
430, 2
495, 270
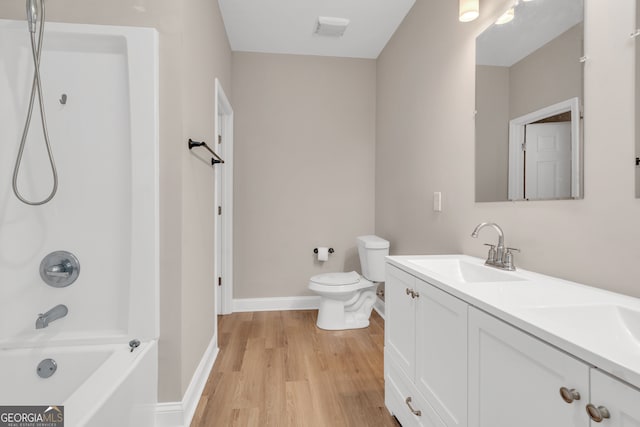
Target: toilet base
336, 314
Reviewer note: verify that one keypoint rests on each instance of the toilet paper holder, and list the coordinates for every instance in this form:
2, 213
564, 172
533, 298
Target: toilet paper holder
315, 250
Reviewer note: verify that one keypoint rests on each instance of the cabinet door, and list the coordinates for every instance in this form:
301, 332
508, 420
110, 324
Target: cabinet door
441, 353
622, 401
400, 319
514, 379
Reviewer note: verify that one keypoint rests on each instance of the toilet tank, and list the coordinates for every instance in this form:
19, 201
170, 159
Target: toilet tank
372, 250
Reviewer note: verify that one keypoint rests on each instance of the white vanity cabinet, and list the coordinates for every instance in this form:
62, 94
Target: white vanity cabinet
425, 353
463, 348
400, 320
515, 380
621, 401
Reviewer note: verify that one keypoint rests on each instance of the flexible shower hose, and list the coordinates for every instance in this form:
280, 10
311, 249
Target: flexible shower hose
36, 50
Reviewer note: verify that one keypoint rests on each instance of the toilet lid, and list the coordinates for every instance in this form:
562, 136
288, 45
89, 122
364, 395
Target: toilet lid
335, 279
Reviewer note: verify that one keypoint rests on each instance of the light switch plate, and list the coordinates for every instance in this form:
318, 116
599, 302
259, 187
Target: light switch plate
437, 201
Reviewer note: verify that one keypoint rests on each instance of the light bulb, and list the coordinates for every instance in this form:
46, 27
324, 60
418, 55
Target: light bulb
469, 10
506, 17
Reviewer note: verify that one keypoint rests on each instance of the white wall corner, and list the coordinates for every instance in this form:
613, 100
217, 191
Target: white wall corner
179, 414
276, 303
379, 307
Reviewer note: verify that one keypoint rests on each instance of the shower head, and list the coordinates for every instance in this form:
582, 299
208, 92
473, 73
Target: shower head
32, 15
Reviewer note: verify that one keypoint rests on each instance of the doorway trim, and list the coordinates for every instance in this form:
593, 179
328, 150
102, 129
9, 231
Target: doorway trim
224, 127
516, 139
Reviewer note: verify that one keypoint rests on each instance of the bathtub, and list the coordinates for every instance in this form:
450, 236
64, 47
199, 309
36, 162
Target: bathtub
96, 384
105, 140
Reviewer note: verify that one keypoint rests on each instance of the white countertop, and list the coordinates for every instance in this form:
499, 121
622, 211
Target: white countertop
597, 326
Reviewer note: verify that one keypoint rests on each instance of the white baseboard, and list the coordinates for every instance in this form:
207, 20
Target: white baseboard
276, 304
170, 414
179, 414
379, 307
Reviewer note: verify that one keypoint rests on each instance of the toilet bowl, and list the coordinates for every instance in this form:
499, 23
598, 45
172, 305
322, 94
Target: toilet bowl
346, 299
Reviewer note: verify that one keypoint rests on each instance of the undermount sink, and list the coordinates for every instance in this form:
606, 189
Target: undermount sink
463, 271
609, 326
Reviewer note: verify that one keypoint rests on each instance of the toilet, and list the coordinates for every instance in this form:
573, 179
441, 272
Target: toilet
346, 299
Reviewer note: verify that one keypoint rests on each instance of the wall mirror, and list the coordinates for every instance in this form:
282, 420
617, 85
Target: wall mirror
529, 98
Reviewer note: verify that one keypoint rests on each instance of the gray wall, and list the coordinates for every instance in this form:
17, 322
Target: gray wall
190, 33
205, 56
492, 133
425, 143
547, 76
304, 148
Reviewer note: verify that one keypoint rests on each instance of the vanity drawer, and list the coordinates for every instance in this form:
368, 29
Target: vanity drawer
397, 388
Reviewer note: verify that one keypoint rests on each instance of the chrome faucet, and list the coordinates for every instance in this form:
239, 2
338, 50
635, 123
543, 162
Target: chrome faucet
498, 256
55, 313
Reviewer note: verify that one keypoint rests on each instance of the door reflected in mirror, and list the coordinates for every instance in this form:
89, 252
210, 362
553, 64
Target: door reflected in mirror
529, 94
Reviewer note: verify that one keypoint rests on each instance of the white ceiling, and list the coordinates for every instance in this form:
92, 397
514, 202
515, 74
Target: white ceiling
287, 26
535, 24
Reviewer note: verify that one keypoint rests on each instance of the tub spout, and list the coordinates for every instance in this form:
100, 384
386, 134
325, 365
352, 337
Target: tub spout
55, 313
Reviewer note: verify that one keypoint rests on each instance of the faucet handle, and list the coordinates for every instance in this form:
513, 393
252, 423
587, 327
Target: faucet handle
491, 256
507, 261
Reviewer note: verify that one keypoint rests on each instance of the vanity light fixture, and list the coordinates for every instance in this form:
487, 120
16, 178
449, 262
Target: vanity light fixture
506, 17
469, 10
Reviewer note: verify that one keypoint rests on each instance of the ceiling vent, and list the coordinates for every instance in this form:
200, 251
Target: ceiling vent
331, 27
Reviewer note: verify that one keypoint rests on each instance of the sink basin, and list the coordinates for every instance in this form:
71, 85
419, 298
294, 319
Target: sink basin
463, 271
610, 327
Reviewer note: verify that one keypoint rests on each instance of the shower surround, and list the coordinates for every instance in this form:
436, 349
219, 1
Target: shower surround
100, 86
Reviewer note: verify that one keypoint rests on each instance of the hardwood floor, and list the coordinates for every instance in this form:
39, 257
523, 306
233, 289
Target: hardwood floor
277, 369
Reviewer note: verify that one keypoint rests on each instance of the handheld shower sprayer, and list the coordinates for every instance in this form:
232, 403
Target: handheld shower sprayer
35, 8
32, 15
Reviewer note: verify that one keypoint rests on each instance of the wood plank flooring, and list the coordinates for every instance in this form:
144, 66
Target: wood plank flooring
277, 369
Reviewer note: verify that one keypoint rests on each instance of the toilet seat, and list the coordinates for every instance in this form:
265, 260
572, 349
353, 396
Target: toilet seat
336, 279
338, 283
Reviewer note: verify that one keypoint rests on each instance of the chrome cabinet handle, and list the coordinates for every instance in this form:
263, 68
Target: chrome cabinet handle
412, 293
597, 414
569, 395
417, 413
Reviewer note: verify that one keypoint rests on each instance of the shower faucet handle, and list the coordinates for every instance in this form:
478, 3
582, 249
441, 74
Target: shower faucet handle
60, 270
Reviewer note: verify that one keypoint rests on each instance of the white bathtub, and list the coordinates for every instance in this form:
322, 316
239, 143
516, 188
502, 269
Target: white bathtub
105, 141
96, 384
